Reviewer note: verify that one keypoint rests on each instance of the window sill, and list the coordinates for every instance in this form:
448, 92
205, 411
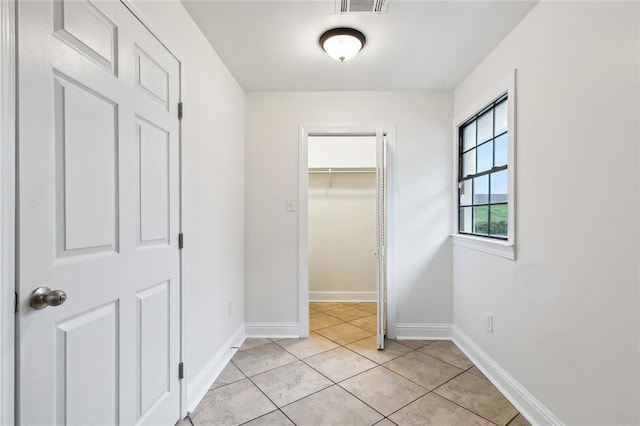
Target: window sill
485, 245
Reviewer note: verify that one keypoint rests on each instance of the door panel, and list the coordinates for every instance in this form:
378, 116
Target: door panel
151, 77
154, 345
93, 336
87, 169
84, 26
98, 217
154, 183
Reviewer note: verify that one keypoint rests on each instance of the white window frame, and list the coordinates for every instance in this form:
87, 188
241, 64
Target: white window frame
503, 248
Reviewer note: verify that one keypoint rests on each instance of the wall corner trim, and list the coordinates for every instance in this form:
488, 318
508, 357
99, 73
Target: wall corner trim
274, 330
202, 382
525, 402
424, 331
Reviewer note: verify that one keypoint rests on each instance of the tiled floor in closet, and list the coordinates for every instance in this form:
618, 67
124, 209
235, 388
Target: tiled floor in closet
337, 377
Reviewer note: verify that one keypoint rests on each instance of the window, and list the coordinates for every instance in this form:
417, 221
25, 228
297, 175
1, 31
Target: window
483, 172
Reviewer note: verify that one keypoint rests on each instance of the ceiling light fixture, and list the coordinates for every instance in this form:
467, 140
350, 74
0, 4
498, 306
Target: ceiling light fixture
342, 44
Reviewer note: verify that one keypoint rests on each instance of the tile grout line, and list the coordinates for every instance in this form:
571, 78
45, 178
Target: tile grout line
428, 391
333, 383
441, 396
364, 402
270, 369
445, 382
447, 362
407, 378
387, 416
362, 372
456, 403
302, 359
514, 417
356, 375
376, 364
270, 400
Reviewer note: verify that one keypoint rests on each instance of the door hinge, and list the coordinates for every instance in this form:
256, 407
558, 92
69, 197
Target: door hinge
15, 301
180, 110
181, 371
180, 241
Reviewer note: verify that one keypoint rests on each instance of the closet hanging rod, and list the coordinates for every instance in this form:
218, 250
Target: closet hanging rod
332, 170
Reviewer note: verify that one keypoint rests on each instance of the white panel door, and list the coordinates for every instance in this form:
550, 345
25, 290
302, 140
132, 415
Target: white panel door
381, 225
98, 217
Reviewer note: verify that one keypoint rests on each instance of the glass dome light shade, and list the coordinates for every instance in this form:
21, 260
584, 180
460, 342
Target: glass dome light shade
342, 44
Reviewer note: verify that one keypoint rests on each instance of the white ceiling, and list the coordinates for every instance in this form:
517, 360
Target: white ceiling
416, 45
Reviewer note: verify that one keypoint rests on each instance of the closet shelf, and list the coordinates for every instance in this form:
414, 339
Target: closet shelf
341, 170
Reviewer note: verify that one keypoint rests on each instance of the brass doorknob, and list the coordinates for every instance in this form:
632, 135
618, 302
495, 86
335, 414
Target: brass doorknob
43, 296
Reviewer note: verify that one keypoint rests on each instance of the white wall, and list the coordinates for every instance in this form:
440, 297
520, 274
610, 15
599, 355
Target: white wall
566, 317
421, 208
341, 151
213, 191
342, 236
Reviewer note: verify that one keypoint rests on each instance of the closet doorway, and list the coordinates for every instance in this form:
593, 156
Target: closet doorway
343, 198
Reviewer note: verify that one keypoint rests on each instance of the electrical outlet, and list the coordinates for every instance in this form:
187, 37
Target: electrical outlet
229, 307
490, 323
291, 204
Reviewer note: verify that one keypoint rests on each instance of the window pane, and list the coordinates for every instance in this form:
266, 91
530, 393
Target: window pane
500, 187
469, 136
483, 201
466, 213
481, 220
485, 157
469, 163
481, 190
501, 112
501, 154
499, 220
485, 126
465, 193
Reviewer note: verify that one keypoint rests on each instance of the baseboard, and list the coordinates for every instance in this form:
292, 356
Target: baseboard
424, 331
343, 296
525, 403
203, 381
273, 329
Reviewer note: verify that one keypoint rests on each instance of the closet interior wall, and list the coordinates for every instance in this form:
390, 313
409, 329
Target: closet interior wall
342, 220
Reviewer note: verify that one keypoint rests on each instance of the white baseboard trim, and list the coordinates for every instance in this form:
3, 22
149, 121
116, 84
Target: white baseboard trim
424, 331
197, 389
343, 296
273, 329
525, 403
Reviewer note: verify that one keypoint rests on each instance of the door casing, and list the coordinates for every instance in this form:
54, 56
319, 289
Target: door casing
7, 208
303, 215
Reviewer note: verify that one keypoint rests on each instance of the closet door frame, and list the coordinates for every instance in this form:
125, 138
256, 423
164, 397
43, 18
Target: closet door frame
306, 131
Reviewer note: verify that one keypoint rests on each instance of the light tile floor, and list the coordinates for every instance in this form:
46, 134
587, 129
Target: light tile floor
337, 377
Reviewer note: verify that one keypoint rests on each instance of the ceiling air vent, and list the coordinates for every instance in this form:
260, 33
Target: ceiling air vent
376, 7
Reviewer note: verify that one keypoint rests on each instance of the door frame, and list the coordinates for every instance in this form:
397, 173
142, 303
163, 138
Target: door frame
303, 214
7, 208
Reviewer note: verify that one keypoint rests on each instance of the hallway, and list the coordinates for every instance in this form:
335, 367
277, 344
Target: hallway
337, 377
